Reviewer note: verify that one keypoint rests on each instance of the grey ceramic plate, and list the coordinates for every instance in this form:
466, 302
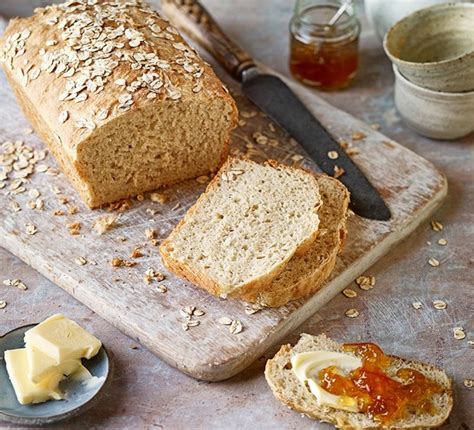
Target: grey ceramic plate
80, 396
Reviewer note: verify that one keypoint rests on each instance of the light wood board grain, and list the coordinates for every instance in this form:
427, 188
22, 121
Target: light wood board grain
412, 187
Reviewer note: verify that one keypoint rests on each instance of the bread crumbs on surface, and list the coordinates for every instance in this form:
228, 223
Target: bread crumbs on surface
459, 333
119, 262
202, 179
136, 253
159, 198
58, 212
442, 242
439, 304
3, 304
338, 172
150, 233
350, 293
433, 262
72, 210
436, 226
469, 383
74, 228
417, 305
105, 223
352, 313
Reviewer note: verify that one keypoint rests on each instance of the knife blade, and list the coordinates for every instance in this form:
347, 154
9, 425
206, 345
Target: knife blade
273, 96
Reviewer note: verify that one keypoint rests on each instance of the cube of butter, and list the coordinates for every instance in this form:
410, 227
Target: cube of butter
62, 339
26, 390
42, 366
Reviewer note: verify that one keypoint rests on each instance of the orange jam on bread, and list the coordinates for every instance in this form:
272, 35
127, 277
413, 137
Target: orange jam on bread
380, 396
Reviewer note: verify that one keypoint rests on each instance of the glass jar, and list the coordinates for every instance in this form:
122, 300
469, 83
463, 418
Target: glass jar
321, 55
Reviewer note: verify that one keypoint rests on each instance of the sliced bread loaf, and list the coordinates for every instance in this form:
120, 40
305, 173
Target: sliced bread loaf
289, 390
244, 229
122, 101
305, 273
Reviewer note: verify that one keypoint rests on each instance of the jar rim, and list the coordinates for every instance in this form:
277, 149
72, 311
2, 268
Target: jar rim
350, 23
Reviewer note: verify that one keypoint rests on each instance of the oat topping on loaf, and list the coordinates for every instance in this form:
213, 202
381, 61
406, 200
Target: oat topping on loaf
123, 102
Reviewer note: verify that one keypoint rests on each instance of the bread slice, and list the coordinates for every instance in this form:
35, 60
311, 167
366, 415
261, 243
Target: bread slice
305, 273
244, 229
288, 389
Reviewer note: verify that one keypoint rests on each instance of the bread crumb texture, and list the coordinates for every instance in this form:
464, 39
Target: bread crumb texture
119, 97
244, 229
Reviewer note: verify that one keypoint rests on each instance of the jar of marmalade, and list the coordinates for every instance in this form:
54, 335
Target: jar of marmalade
323, 55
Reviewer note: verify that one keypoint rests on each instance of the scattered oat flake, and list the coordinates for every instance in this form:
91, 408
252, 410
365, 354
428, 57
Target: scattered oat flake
105, 222
459, 333
439, 304
442, 242
253, 308
436, 226
63, 116
333, 155
352, 313
225, 321
30, 229
365, 282
348, 292
236, 327
358, 135
469, 383
2, 304
199, 313
80, 261
433, 262
15, 283
417, 305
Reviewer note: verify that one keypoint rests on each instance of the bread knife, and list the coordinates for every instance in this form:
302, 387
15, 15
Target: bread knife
277, 100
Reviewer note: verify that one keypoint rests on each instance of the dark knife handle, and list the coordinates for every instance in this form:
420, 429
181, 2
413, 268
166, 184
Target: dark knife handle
192, 18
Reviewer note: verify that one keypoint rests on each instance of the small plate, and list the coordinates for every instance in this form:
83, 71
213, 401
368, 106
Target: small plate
80, 396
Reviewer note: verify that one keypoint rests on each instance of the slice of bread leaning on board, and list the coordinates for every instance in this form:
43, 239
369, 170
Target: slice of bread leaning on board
127, 106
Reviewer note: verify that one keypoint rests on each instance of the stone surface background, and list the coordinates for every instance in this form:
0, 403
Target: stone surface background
147, 393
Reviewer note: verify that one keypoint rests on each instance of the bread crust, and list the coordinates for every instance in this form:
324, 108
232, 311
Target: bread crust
342, 419
41, 98
273, 295
198, 278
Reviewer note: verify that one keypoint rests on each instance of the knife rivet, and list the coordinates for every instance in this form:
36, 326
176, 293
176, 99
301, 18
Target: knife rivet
333, 155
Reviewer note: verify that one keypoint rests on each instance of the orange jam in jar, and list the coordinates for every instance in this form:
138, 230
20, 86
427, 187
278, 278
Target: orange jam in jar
381, 397
322, 55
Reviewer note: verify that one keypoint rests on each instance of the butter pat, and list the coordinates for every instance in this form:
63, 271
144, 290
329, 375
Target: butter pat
307, 365
26, 390
42, 366
62, 339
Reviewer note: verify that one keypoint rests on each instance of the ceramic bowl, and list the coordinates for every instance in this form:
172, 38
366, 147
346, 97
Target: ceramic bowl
434, 47
434, 114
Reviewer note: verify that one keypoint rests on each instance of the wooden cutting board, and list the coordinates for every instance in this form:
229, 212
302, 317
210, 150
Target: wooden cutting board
412, 187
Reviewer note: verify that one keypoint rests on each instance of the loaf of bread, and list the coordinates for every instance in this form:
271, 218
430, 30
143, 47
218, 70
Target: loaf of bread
121, 100
288, 389
305, 273
244, 229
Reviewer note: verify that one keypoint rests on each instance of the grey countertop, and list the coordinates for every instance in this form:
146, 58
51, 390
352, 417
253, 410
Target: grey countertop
147, 393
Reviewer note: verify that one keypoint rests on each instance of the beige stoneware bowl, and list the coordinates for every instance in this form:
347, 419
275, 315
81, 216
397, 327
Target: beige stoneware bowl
434, 47
434, 114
